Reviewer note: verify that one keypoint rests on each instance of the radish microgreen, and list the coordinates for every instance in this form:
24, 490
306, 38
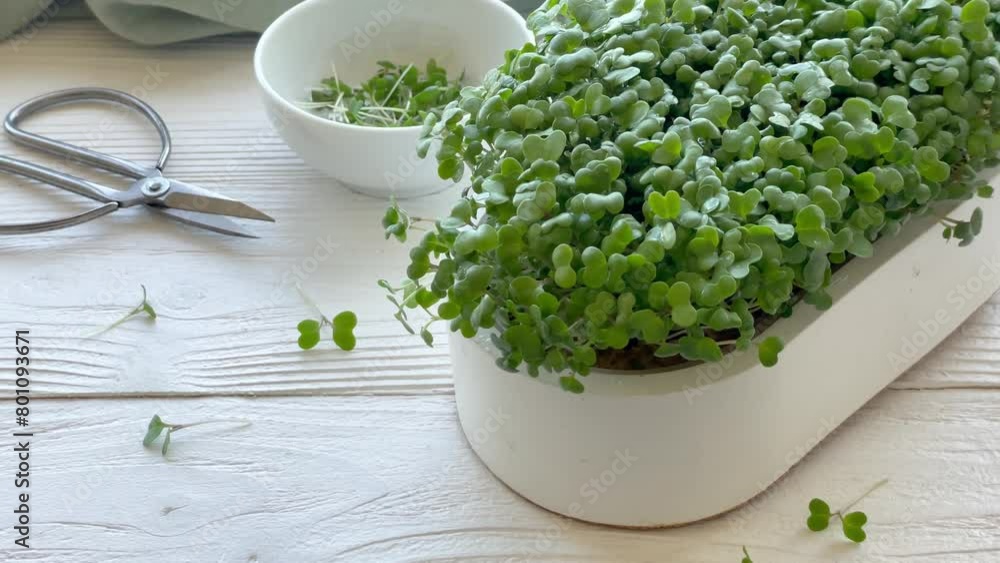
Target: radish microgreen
343, 325
157, 426
852, 523
654, 183
143, 308
965, 231
769, 349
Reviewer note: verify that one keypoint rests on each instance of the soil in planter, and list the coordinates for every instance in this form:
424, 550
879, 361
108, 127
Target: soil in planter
638, 356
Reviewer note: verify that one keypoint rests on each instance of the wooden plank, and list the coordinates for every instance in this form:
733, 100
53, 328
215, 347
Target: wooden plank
391, 479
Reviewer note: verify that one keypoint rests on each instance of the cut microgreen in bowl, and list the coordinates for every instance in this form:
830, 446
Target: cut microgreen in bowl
397, 96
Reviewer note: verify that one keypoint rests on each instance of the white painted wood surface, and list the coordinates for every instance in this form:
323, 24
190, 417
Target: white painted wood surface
355, 457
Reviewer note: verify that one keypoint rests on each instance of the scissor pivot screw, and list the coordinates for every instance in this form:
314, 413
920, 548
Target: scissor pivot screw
156, 187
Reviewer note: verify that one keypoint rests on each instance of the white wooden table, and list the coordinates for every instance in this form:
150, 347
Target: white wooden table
353, 457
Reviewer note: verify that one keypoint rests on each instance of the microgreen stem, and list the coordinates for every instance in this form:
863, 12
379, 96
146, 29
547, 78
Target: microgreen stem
143, 307
241, 422
309, 301
854, 503
394, 97
396, 85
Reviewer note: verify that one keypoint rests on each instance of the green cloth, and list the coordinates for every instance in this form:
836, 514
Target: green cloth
156, 22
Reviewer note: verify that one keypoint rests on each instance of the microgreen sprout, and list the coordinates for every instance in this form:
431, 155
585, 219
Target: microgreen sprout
965, 231
411, 296
157, 425
343, 330
143, 308
397, 96
343, 325
769, 349
852, 523
398, 223
746, 556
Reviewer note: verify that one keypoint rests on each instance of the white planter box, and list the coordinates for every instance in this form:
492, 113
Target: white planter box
663, 449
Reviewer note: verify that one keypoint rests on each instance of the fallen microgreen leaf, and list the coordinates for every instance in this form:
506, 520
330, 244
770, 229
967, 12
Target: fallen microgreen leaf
157, 426
343, 330
343, 325
142, 308
852, 523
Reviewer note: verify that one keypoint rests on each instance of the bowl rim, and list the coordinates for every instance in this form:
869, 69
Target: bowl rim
265, 84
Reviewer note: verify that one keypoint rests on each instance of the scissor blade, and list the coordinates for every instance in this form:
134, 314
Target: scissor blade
192, 198
214, 223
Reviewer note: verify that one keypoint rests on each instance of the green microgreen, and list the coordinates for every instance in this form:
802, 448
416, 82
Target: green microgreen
157, 426
396, 222
746, 556
343, 330
666, 177
143, 308
965, 231
396, 96
408, 297
342, 325
769, 349
852, 523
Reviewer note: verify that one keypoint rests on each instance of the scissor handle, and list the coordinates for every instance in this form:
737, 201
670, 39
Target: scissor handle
105, 161
61, 179
55, 225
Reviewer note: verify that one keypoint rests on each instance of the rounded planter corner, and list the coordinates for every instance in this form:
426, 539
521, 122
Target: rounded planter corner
669, 448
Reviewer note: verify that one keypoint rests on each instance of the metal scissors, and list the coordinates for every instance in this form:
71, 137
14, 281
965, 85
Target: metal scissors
182, 202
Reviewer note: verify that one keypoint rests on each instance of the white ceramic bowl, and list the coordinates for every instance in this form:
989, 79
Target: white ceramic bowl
299, 49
